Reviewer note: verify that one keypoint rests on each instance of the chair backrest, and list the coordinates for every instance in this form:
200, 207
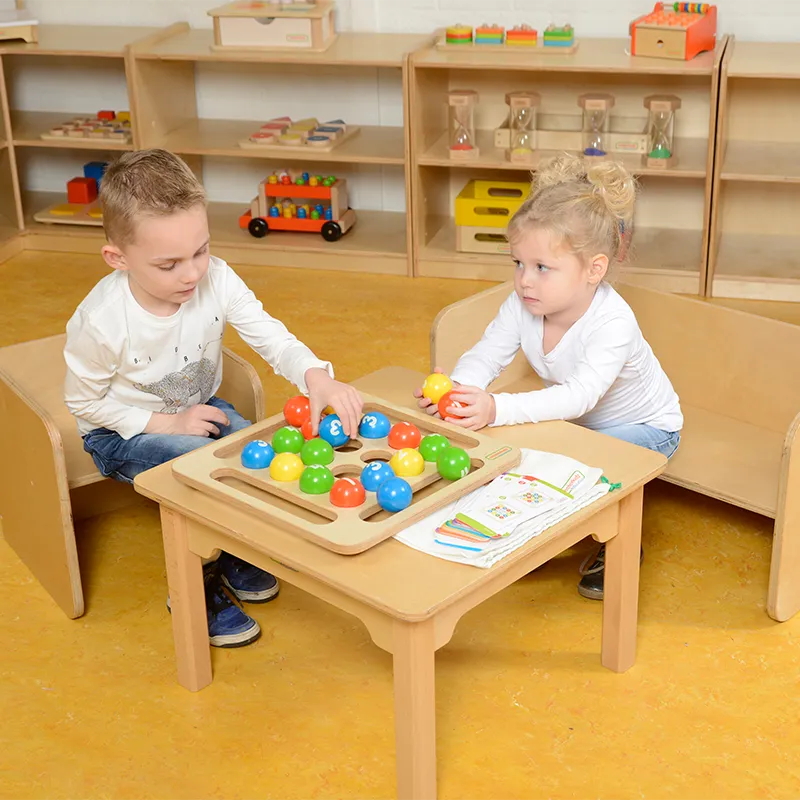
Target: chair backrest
725, 361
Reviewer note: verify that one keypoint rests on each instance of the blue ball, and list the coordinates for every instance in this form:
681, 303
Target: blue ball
257, 454
374, 425
331, 430
394, 495
376, 473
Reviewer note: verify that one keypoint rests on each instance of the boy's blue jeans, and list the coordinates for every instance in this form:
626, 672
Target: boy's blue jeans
663, 442
124, 459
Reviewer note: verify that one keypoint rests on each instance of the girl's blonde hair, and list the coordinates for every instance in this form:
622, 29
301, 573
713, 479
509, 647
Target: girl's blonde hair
587, 206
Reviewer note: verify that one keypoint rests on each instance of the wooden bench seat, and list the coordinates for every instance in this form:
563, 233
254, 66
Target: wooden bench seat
740, 397
46, 477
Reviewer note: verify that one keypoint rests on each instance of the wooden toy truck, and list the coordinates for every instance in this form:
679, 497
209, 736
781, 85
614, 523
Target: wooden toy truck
273, 209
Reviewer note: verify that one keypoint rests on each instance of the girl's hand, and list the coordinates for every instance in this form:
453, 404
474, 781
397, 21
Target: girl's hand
479, 409
426, 405
324, 391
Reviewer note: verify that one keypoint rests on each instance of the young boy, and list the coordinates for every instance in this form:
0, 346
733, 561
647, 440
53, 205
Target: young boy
144, 353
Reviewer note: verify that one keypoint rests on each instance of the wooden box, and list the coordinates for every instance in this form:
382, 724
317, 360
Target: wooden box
489, 204
261, 25
679, 30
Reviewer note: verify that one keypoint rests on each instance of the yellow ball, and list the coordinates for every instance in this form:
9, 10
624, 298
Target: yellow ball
407, 463
436, 386
286, 467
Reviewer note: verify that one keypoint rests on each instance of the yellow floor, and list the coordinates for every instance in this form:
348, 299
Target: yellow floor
90, 708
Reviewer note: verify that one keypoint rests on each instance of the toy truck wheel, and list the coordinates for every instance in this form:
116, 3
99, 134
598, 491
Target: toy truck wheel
331, 232
258, 227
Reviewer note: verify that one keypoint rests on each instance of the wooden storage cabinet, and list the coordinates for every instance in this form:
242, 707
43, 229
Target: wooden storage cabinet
755, 246
673, 212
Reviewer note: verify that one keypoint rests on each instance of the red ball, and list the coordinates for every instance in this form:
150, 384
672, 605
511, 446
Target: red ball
347, 493
297, 410
448, 402
305, 429
285, 180
404, 434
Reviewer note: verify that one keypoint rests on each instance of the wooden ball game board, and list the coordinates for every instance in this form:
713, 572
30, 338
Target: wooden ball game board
217, 470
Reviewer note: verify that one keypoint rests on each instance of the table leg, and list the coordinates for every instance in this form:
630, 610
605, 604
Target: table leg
415, 710
188, 604
621, 586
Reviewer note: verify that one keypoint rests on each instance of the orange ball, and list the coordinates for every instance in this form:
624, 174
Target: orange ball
404, 434
297, 410
347, 493
448, 402
305, 429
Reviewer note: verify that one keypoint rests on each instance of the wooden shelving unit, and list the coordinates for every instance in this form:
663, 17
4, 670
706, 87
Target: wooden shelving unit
755, 250
673, 213
165, 75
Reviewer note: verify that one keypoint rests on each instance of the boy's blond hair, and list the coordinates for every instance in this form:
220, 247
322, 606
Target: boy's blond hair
587, 207
145, 183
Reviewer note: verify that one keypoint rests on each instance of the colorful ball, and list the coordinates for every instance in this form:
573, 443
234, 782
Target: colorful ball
435, 386
287, 440
432, 445
257, 454
297, 410
394, 495
374, 474
446, 401
453, 463
407, 463
305, 429
316, 479
286, 467
331, 430
314, 214
404, 434
317, 451
374, 425
347, 493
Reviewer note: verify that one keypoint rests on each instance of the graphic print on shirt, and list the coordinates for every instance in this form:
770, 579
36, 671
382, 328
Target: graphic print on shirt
192, 385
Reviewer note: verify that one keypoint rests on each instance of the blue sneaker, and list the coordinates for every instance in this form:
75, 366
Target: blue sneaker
250, 584
228, 625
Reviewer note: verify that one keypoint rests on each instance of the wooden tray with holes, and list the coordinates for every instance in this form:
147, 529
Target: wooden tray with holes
217, 470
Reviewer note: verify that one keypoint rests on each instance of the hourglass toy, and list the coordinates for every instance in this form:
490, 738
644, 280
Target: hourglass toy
596, 108
660, 124
462, 141
522, 124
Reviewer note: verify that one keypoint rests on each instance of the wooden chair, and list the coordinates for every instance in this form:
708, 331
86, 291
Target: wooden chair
46, 477
740, 395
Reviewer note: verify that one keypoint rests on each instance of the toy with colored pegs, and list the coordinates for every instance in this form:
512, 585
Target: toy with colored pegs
374, 425
286, 467
287, 440
347, 493
297, 410
407, 463
435, 386
404, 434
453, 463
446, 401
394, 495
374, 474
257, 454
283, 134
332, 431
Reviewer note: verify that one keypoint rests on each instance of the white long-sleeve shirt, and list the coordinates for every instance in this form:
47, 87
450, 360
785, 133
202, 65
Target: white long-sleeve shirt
602, 372
124, 363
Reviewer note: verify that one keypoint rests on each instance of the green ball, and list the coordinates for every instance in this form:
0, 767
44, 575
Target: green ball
453, 463
316, 479
287, 440
432, 445
317, 451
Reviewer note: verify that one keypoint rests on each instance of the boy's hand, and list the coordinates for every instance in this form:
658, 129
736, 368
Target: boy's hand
195, 421
426, 405
343, 399
479, 409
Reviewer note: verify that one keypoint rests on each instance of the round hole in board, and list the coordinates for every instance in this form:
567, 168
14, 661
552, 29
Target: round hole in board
376, 455
350, 446
660, 43
346, 471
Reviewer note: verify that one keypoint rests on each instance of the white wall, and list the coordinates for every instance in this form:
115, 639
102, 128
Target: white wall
374, 97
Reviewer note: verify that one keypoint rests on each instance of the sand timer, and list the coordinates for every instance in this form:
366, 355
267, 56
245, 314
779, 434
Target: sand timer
462, 141
660, 126
522, 125
596, 118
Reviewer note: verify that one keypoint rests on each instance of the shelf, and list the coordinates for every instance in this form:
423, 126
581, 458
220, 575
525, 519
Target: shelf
349, 49
758, 266
777, 60
692, 158
219, 137
27, 127
762, 161
663, 258
592, 55
107, 41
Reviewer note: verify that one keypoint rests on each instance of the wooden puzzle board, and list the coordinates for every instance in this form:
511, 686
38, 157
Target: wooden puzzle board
72, 214
281, 149
216, 470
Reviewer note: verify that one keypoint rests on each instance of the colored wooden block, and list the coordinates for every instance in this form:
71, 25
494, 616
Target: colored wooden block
82, 190
95, 170
487, 209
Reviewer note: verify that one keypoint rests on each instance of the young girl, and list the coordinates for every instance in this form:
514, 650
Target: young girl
578, 334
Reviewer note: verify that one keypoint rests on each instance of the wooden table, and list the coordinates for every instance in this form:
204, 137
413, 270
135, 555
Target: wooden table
409, 602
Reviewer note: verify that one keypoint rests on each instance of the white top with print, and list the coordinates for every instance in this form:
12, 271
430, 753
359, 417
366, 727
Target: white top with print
601, 374
124, 363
